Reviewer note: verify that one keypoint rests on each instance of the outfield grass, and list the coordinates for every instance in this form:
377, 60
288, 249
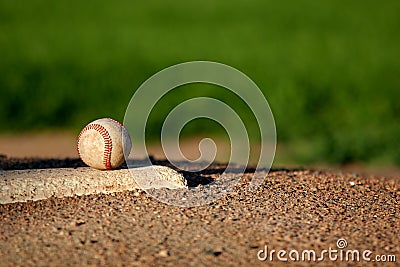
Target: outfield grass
329, 69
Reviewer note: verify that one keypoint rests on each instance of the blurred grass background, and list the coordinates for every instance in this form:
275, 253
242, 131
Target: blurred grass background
329, 69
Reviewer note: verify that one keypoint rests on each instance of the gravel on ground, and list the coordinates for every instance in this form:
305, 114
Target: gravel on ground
292, 210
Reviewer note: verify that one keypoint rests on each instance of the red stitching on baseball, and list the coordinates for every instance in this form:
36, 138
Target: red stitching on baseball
117, 122
120, 124
107, 142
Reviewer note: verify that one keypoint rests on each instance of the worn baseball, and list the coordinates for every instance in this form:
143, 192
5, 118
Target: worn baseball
103, 144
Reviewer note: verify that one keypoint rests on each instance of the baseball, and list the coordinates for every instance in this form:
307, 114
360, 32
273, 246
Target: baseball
102, 144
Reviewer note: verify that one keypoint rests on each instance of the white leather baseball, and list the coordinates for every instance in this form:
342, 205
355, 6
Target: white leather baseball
102, 144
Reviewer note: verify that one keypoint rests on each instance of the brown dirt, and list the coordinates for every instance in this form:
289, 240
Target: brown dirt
42, 145
293, 209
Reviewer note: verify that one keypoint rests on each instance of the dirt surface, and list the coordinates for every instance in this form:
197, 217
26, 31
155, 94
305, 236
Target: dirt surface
292, 210
40, 144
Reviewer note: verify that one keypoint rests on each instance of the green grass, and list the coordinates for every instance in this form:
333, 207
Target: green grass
329, 69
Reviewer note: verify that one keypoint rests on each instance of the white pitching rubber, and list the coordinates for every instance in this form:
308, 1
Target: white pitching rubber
24, 185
